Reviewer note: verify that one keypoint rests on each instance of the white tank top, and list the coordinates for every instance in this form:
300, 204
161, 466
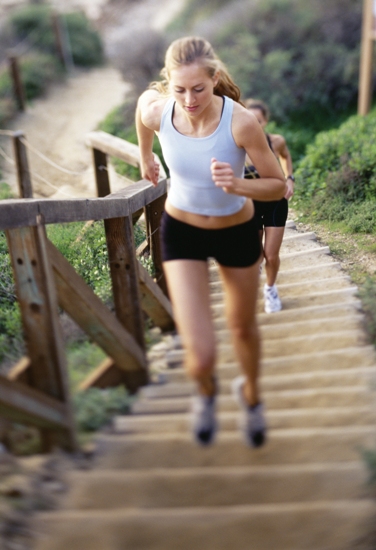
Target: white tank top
188, 158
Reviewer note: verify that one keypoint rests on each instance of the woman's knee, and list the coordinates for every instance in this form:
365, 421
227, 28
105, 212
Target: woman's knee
201, 363
244, 331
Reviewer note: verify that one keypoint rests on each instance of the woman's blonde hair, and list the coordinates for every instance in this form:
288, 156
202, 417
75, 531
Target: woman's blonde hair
193, 49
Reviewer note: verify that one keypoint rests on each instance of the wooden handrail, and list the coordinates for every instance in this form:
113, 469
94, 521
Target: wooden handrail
23, 212
45, 280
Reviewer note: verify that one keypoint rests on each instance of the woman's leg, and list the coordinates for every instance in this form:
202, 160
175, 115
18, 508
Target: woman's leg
272, 243
241, 286
188, 286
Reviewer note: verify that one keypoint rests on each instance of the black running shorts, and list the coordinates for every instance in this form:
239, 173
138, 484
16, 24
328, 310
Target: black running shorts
235, 246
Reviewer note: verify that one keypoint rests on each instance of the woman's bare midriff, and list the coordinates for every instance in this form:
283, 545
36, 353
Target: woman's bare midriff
212, 222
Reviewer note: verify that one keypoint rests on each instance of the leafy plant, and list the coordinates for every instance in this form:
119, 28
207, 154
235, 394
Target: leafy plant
95, 407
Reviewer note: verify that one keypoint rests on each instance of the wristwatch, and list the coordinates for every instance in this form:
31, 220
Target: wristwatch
290, 177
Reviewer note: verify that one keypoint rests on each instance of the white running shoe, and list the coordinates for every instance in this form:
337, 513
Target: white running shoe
204, 422
252, 423
271, 298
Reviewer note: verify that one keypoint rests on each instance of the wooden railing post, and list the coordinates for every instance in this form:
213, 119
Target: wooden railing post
17, 82
153, 214
37, 299
365, 72
22, 166
102, 179
62, 42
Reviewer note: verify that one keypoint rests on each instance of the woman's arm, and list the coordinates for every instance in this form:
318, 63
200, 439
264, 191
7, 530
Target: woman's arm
249, 135
148, 116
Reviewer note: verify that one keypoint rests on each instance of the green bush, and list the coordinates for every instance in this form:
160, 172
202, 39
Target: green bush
37, 72
85, 43
341, 162
298, 59
368, 296
35, 21
95, 407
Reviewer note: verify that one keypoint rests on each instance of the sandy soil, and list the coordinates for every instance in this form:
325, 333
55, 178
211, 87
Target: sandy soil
56, 125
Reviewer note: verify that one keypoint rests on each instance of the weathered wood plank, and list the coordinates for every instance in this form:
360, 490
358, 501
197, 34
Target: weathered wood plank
21, 371
153, 215
26, 405
117, 147
108, 375
23, 212
89, 312
37, 299
154, 302
124, 276
22, 166
102, 180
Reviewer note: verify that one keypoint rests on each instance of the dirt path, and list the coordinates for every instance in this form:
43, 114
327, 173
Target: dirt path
56, 125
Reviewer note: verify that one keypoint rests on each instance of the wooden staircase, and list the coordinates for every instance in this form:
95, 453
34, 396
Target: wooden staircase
152, 488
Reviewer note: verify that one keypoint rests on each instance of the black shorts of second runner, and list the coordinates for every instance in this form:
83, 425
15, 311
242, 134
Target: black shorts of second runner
235, 246
271, 213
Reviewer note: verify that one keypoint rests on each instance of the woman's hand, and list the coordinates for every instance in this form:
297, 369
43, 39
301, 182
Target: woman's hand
223, 175
289, 188
150, 170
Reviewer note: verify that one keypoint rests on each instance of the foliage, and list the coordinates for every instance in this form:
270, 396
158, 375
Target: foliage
95, 407
341, 165
302, 59
368, 296
85, 43
34, 22
38, 70
369, 456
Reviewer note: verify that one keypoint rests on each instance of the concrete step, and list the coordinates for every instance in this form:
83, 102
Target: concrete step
275, 382
226, 486
340, 296
290, 446
320, 311
301, 328
286, 346
229, 420
330, 360
285, 399
296, 289
324, 525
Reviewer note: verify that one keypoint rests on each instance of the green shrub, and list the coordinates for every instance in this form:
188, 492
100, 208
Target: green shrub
36, 21
95, 407
368, 296
294, 57
37, 72
341, 162
85, 43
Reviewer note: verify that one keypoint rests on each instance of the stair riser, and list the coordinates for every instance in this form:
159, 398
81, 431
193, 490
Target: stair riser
324, 526
187, 489
340, 378
331, 360
342, 397
229, 421
279, 348
282, 448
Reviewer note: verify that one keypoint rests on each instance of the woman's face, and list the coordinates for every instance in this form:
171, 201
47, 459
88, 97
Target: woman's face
192, 88
260, 117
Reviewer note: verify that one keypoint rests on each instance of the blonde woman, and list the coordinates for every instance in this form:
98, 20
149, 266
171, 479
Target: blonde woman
205, 134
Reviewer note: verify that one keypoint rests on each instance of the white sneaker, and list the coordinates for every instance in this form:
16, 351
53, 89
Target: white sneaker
204, 422
271, 298
252, 424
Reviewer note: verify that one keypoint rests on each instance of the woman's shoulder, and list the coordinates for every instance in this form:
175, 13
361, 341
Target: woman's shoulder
152, 104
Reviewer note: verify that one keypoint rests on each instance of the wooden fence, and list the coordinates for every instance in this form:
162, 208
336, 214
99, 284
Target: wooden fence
36, 390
